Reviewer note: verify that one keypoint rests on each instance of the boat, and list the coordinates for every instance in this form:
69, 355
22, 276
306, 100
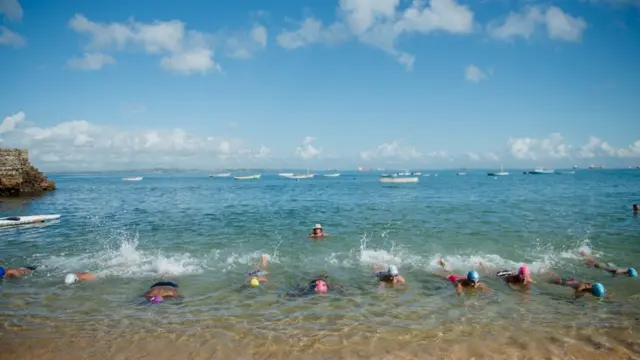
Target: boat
398, 179
499, 173
285, 174
541, 171
300, 176
23, 220
248, 177
416, 173
565, 172
332, 175
220, 175
138, 178
596, 167
461, 173
404, 173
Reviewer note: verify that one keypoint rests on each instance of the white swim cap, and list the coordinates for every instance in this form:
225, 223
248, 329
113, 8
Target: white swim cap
70, 279
393, 270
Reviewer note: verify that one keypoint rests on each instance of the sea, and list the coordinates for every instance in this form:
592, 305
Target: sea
206, 233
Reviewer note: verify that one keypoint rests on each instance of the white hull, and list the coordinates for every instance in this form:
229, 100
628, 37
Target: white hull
565, 172
285, 175
139, 178
461, 174
398, 180
22, 220
541, 172
220, 175
250, 177
331, 175
501, 173
298, 177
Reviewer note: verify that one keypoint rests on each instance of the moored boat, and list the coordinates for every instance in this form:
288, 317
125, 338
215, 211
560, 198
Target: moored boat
137, 178
248, 177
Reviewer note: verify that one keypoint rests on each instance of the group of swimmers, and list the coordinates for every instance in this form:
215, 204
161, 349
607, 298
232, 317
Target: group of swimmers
385, 274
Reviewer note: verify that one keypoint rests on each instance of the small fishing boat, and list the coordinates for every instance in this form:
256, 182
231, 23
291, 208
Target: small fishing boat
461, 174
138, 178
23, 220
398, 179
220, 175
249, 177
300, 176
565, 172
499, 173
332, 175
541, 171
286, 175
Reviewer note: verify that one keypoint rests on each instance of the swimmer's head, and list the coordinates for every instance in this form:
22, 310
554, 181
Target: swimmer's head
473, 276
392, 270
1, 272
156, 299
70, 279
254, 282
598, 290
630, 271
524, 271
635, 207
321, 286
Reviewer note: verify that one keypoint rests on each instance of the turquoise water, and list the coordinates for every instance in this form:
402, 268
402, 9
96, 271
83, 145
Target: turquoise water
207, 233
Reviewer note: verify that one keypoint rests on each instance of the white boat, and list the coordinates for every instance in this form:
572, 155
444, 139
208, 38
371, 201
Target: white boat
285, 175
249, 177
300, 176
416, 173
565, 172
541, 171
396, 179
138, 178
500, 173
404, 173
461, 174
332, 175
220, 175
596, 167
23, 220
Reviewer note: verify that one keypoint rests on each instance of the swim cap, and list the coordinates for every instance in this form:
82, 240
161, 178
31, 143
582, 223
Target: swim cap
1, 272
156, 299
630, 271
473, 276
393, 270
524, 270
598, 290
70, 279
255, 282
321, 286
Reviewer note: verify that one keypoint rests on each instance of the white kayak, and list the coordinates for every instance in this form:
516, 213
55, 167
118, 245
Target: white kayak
22, 220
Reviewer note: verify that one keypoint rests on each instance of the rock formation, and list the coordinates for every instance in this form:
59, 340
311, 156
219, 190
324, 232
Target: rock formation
19, 177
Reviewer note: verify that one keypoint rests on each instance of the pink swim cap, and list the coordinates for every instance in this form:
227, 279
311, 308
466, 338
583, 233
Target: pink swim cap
524, 270
156, 299
321, 286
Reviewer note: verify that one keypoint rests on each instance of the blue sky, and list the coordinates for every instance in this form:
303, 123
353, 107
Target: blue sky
440, 83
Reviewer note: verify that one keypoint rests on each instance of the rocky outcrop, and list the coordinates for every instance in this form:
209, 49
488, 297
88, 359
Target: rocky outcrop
18, 177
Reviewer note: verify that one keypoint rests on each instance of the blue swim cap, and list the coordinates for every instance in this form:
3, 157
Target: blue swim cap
598, 290
632, 272
473, 276
1, 272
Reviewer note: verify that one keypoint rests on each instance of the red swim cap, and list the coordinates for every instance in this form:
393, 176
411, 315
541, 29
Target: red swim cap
321, 286
524, 270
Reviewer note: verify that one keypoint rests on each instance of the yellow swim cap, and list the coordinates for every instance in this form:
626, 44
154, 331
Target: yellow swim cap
255, 282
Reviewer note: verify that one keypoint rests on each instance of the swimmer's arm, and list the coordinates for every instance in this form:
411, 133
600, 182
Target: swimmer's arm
484, 288
402, 281
579, 291
459, 289
263, 279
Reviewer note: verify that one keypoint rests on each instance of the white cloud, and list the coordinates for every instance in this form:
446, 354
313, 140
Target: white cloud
393, 151
182, 51
11, 10
83, 145
379, 23
474, 74
8, 37
534, 149
473, 156
307, 150
559, 25
91, 61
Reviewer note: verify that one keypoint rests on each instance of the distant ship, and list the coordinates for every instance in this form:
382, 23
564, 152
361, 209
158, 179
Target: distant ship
596, 167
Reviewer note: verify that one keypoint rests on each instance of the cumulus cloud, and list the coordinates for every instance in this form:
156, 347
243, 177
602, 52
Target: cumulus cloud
10, 38
392, 150
555, 147
11, 10
90, 61
306, 150
80, 144
180, 50
381, 23
473, 74
559, 25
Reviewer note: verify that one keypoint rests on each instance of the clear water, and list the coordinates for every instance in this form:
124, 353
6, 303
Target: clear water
206, 233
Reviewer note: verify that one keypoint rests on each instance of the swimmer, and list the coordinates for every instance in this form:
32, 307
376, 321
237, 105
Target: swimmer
16, 273
580, 288
317, 232
319, 285
635, 209
388, 275
258, 275
591, 261
79, 276
470, 282
522, 277
160, 291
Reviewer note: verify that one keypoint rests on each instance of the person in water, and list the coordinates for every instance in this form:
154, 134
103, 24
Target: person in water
470, 282
580, 288
258, 274
16, 273
635, 209
388, 275
591, 261
317, 232
522, 277
160, 291
79, 276
319, 285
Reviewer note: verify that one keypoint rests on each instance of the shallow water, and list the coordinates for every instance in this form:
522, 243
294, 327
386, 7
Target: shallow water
206, 233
